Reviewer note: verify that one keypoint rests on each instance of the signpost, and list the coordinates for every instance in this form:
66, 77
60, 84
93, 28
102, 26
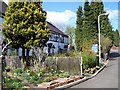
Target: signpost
95, 48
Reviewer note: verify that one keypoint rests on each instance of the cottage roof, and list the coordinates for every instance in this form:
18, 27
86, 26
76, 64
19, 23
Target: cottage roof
55, 29
4, 7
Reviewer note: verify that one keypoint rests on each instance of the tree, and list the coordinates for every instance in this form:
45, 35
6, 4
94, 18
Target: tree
96, 8
115, 38
78, 30
87, 24
25, 25
70, 31
105, 26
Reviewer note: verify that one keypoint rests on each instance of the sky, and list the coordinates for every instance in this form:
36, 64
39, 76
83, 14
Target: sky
63, 12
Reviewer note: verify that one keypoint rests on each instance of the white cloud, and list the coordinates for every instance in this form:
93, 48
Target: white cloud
113, 14
65, 18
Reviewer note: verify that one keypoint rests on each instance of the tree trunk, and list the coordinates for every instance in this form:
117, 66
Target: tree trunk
27, 53
23, 63
27, 57
23, 54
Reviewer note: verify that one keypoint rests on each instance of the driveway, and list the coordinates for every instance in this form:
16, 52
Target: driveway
107, 78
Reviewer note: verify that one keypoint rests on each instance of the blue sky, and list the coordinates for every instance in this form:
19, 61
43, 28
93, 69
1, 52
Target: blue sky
63, 12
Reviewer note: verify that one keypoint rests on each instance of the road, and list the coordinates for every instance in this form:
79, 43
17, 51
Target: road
107, 78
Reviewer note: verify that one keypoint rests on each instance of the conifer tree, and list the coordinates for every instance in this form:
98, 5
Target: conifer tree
25, 25
78, 30
96, 8
106, 27
87, 21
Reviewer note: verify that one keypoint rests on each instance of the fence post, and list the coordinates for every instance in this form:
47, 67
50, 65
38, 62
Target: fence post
81, 64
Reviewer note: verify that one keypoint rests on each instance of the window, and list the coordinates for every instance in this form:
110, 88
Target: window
51, 38
66, 40
1, 18
61, 39
56, 37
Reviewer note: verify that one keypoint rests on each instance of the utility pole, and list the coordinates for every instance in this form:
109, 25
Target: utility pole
99, 35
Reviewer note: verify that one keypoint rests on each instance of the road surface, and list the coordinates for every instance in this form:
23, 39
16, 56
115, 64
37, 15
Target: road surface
107, 78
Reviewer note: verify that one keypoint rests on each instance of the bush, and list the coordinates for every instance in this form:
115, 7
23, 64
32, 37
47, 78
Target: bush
19, 70
89, 60
13, 84
105, 45
65, 74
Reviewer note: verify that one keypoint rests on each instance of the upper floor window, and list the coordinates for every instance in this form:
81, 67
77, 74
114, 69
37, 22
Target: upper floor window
1, 19
66, 40
58, 38
51, 37
54, 37
61, 39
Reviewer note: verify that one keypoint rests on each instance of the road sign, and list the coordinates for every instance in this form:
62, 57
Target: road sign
95, 48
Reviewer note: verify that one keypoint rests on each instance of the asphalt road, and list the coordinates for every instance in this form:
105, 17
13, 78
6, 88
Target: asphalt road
107, 78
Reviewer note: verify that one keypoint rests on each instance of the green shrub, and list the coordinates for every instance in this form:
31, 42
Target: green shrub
13, 84
46, 79
64, 74
18, 71
89, 60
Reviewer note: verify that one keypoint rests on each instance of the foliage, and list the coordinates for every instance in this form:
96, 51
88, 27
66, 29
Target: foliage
116, 38
87, 45
31, 76
71, 32
105, 44
87, 25
106, 27
96, 8
86, 22
18, 71
59, 73
89, 60
78, 30
25, 25
65, 74
13, 83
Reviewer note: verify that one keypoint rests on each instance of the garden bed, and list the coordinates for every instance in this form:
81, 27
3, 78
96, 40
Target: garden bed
30, 79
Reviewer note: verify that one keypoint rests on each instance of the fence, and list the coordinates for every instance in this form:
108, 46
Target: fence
68, 64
